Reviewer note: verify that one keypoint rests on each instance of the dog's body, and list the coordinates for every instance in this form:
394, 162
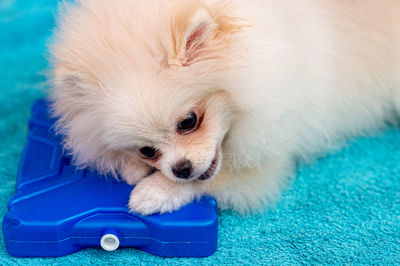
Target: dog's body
268, 81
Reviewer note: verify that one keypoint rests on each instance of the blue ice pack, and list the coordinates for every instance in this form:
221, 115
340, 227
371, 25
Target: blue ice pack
58, 209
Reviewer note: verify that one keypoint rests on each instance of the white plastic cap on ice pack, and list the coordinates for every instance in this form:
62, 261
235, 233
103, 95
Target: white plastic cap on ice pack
109, 242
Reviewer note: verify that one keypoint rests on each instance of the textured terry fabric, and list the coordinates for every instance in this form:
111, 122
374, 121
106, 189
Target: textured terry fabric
343, 208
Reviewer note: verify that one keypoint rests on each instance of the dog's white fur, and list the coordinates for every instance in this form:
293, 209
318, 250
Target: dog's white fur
277, 81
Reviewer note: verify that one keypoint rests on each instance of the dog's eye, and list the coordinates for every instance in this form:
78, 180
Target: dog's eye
188, 123
149, 152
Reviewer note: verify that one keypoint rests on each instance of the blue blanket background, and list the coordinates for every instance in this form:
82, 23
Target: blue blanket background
343, 208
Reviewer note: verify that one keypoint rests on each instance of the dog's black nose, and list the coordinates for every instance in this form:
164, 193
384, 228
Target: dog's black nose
182, 169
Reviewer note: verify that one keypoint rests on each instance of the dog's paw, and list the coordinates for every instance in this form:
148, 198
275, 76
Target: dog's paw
158, 194
135, 172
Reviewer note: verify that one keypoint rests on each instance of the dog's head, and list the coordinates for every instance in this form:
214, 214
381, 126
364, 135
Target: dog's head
146, 80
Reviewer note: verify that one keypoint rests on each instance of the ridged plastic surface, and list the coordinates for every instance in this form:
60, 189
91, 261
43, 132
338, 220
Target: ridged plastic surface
58, 209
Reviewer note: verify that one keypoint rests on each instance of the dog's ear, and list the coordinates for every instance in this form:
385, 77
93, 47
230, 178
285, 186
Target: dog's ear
68, 91
199, 34
191, 37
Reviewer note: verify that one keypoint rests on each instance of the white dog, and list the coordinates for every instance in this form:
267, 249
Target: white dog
192, 97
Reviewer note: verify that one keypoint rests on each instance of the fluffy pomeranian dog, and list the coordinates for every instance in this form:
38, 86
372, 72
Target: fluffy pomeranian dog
190, 97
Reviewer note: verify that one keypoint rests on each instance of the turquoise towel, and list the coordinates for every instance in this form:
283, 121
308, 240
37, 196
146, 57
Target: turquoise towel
343, 208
